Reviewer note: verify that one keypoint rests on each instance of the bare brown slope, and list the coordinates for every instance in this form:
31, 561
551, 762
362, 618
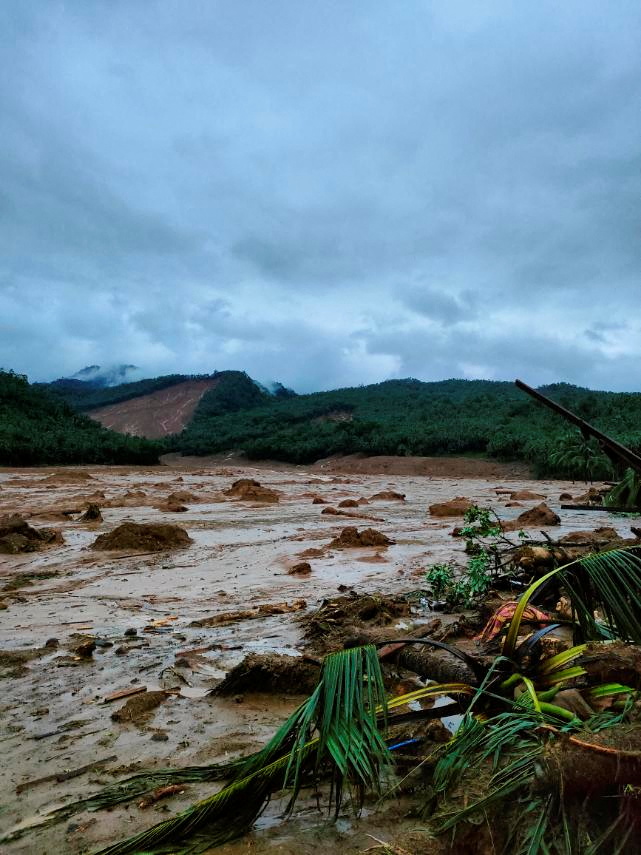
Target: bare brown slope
157, 414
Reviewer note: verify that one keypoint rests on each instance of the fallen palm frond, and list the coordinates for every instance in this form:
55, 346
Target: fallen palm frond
338, 726
608, 581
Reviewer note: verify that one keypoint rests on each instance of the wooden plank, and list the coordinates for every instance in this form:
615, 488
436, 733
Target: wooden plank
124, 693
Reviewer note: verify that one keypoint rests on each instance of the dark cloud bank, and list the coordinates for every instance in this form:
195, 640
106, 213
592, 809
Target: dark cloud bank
325, 193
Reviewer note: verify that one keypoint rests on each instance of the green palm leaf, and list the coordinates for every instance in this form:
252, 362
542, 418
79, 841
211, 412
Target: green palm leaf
608, 581
337, 726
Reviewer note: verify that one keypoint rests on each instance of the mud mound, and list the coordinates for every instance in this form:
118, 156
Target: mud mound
312, 552
172, 508
526, 496
541, 515
143, 537
340, 617
302, 568
348, 503
271, 672
68, 476
454, 508
351, 537
318, 501
604, 534
92, 514
387, 496
16, 535
140, 707
249, 490
182, 497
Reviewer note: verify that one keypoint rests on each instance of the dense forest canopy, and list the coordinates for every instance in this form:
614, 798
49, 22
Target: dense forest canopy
410, 417
38, 428
396, 417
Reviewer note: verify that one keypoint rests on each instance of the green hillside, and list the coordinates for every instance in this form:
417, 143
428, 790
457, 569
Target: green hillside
409, 417
37, 427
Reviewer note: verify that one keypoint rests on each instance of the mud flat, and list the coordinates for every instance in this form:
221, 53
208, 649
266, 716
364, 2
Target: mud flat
80, 624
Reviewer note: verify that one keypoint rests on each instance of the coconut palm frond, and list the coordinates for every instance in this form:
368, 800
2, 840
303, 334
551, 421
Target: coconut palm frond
344, 712
609, 582
606, 581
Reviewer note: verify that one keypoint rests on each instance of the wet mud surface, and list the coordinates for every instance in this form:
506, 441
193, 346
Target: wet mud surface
78, 625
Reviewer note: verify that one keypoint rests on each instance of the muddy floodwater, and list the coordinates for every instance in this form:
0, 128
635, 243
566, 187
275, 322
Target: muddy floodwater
141, 609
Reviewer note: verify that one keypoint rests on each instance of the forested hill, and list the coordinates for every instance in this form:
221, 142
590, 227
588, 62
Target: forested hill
38, 428
409, 417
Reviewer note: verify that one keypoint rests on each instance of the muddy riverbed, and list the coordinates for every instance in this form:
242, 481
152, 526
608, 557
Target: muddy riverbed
143, 611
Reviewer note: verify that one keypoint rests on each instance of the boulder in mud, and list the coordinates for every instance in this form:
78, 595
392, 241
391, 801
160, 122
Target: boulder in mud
249, 490
318, 501
16, 535
348, 503
454, 508
351, 537
565, 497
143, 537
539, 516
604, 534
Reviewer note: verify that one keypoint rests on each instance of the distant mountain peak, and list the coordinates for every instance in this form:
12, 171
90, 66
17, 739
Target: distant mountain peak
109, 375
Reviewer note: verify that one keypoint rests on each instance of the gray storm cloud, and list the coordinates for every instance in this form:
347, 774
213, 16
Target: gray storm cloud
327, 194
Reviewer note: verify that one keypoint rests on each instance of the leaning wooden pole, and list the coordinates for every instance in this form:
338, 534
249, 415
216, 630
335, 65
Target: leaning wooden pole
615, 451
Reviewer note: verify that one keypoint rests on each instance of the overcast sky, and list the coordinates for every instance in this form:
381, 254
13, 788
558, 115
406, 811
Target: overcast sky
322, 193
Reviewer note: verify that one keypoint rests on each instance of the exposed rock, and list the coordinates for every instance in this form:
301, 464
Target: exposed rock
454, 508
143, 537
351, 537
540, 515
249, 490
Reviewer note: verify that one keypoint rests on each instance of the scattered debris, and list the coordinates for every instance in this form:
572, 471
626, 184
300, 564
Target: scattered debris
124, 693
153, 537
66, 775
249, 614
341, 617
160, 792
